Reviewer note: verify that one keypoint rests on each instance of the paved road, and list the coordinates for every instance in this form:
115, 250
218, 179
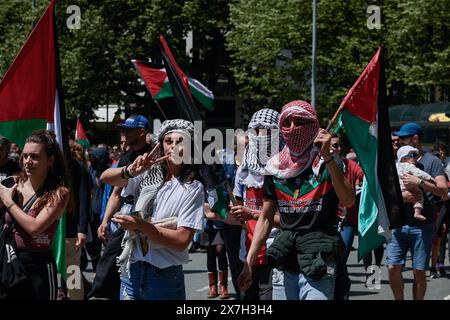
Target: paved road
197, 283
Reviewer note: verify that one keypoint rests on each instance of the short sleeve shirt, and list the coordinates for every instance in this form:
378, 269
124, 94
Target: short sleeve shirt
305, 203
183, 200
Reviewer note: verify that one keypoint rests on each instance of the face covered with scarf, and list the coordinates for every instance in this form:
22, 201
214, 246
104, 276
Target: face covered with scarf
299, 128
264, 142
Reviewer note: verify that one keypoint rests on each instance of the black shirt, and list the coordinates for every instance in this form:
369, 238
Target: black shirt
305, 203
10, 168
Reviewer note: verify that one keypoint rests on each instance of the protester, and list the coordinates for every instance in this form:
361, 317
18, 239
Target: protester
248, 190
8, 167
34, 205
415, 235
216, 254
77, 221
348, 225
308, 222
166, 191
106, 283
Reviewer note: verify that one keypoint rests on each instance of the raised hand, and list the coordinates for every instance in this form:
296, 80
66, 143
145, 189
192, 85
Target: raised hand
144, 162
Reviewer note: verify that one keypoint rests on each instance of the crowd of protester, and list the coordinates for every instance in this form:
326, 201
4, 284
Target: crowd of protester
289, 227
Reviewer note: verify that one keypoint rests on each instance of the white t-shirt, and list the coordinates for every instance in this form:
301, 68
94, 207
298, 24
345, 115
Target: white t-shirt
184, 201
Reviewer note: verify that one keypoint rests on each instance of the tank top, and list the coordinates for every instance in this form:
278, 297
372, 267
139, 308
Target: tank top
25, 242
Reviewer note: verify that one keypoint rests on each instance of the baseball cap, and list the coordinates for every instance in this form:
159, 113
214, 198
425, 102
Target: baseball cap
134, 122
409, 129
404, 151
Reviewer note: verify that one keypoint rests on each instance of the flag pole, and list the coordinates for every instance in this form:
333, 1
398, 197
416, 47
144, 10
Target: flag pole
332, 121
159, 107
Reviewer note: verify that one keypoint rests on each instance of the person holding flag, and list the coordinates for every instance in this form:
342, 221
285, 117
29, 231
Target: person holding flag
33, 208
306, 185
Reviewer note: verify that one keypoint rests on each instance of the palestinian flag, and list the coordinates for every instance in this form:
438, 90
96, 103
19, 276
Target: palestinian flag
157, 82
30, 100
366, 120
117, 119
80, 135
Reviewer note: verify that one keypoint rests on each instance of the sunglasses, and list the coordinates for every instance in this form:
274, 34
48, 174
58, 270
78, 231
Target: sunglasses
395, 141
412, 155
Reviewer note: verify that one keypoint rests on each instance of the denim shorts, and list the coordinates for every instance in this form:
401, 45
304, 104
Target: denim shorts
417, 239
147, 282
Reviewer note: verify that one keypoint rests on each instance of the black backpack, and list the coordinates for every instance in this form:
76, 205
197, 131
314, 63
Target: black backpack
13, 278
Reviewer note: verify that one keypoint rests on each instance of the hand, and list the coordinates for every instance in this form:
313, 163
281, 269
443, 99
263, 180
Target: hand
411, 182
412, 196
128, 222
242, 213
7, 194
323, 141
144, 162
81, 241
102, 232
245, 278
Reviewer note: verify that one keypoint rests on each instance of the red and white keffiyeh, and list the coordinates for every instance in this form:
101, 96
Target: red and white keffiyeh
299, 152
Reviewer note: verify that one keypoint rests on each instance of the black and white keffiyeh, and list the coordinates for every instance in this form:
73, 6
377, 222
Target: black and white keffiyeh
260, 148
175, 125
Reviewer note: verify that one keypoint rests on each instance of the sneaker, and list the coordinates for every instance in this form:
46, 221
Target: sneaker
447, 297
433, 273
442, 271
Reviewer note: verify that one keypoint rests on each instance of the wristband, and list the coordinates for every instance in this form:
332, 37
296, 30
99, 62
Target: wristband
122, 173
10, 206
127, 173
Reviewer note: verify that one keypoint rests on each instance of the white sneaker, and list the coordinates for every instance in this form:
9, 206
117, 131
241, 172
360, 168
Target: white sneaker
447, 297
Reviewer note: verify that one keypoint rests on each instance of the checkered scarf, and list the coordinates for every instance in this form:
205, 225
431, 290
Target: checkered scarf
299, 152
260, 148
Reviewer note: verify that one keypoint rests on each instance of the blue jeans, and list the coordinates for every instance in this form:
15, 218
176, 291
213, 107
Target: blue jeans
278, 291
417, 239
300, 287
348, 235
148, 282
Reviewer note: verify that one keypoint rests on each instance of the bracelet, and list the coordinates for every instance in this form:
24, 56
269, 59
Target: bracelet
122, 173
328, 161
10, 206
128, 173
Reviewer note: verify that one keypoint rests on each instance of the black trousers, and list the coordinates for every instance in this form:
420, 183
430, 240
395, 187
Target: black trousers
232, 239
40, 268
106, 283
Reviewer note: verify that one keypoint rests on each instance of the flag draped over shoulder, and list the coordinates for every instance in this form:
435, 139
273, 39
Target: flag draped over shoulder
30, 100
80, 135
157, 83
366, 120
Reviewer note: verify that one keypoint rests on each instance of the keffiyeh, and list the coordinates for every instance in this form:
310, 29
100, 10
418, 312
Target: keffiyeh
260, 147
299, 152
